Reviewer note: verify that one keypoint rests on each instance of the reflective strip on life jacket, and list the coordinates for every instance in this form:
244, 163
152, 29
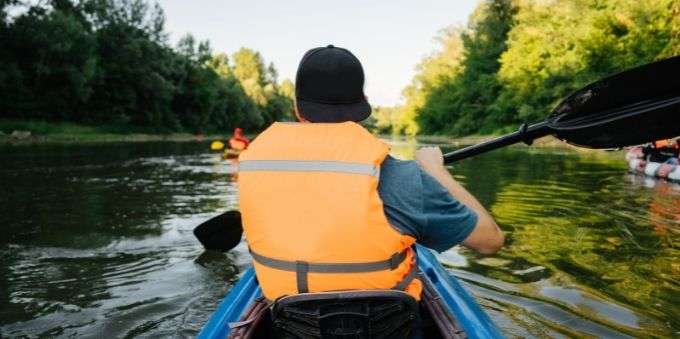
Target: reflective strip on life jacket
308, 166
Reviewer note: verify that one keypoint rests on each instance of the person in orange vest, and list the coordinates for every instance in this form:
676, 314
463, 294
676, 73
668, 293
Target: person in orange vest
663, 151
238, 141
674, 145
326, 208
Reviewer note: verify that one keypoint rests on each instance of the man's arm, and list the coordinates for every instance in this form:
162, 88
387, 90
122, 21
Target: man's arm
486, 238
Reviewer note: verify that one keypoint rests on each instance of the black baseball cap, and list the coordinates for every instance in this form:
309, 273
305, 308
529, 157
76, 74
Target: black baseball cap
329, 86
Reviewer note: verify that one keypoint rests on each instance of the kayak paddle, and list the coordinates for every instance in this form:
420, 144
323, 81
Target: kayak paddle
630, 108
220, 233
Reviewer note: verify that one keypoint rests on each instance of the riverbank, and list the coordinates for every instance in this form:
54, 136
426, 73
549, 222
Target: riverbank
547, 141
29, 132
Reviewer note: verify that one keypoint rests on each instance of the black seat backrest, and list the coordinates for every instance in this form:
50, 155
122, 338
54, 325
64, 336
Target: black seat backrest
345, 314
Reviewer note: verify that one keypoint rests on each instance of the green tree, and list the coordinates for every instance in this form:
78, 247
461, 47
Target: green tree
555, 49
287, 89
461, 104
48, 63
260, 84
134, 80
250, 71
239, 109
220, 64
517, 59
108, 61
383, 120
431, 73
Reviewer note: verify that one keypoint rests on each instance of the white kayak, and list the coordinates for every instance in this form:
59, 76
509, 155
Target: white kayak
653, 169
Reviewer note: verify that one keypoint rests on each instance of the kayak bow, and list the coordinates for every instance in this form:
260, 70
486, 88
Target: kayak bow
458, 302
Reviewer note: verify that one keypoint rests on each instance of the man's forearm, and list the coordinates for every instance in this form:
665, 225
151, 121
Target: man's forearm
457, 190
486, 237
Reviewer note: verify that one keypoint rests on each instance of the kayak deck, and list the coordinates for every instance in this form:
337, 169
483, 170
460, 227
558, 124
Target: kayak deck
467, 317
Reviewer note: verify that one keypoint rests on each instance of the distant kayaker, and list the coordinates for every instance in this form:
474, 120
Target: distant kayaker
662, 151
325, 208
238, 141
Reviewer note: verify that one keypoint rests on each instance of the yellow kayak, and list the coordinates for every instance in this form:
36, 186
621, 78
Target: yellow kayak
216, 145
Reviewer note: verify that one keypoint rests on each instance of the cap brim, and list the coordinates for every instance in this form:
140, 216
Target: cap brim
316, 112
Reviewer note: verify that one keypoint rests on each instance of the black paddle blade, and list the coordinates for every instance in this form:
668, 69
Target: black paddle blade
629, 108
220, 233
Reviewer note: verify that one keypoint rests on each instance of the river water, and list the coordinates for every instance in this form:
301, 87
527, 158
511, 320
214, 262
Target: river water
96, 241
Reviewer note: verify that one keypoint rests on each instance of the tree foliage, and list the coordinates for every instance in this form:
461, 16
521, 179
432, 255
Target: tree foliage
518, 58
108, 61
431, 74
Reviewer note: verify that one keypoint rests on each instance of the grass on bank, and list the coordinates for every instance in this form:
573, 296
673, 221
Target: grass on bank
44, 131
68, 132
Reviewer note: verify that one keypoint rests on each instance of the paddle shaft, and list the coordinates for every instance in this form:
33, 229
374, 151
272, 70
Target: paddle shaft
526, 134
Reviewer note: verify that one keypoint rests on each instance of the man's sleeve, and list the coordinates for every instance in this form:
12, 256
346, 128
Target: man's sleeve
447, 221
416, 204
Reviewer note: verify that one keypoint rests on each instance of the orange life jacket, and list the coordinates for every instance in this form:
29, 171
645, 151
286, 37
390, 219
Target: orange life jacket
661, 143
238, 144
312, 215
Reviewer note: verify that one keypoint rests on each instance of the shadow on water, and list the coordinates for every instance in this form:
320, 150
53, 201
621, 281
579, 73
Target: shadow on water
97, 242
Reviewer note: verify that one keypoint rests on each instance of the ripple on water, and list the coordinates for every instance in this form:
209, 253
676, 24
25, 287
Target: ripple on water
588, 253
98, 242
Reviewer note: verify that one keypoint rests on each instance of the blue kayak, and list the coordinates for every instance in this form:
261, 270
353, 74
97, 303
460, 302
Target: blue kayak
464, 316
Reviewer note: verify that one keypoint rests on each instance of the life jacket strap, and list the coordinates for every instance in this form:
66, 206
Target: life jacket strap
407, 279
303, 268
362, 267
301, 271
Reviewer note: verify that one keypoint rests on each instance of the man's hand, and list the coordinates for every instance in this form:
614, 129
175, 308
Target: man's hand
430, 159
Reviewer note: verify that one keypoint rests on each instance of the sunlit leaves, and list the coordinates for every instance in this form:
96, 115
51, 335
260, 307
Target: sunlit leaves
108, 61
519, 58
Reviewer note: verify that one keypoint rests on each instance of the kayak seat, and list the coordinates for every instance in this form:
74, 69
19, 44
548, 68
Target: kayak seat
350, 314
345, 314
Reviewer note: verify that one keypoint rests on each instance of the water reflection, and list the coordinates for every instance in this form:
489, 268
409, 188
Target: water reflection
97, 241
592, 253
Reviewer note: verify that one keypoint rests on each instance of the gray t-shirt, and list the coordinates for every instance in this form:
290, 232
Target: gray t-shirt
416, 204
